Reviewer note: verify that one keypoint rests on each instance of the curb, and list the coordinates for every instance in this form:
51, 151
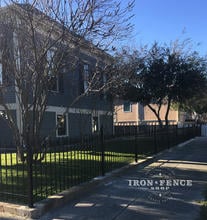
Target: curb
58, 200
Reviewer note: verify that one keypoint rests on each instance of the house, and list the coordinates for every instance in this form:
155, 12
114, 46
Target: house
70, 111
129, 113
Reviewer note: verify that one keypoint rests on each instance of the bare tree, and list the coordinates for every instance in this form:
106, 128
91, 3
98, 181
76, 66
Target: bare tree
37, 40
29, 68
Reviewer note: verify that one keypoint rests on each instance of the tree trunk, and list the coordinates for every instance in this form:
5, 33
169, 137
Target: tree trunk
157, 115
167, 113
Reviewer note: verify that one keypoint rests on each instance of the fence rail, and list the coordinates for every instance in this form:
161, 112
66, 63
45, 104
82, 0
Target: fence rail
60, 167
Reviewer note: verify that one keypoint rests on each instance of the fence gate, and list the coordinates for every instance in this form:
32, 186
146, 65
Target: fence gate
204, 130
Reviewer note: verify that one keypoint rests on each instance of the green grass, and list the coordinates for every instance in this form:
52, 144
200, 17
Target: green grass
56, 172
64, 169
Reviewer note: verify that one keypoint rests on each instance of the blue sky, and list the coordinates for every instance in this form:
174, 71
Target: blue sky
168, 20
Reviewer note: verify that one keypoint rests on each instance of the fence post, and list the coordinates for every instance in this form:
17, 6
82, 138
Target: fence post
155, 138
176, 135
29, 170
194, 130
183, 133
197, 129
102, 151
136, 145
168, 136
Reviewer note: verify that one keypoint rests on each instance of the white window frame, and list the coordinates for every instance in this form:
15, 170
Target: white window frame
66, 118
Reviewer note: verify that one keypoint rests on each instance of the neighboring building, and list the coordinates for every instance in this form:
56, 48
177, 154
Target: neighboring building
128, 113
87, 114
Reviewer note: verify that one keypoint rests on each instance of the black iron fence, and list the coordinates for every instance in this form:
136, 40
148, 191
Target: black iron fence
64, 164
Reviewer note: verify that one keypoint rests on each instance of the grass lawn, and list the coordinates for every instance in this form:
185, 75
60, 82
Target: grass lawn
62, 169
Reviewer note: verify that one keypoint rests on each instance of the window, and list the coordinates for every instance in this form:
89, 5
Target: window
52, 75
104, 78
104, 83
127, 107
1, 69
95, 124
85, 76
53, 83
61, 125
1, 73
16, 51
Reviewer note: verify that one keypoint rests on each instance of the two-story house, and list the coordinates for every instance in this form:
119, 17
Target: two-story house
70, 110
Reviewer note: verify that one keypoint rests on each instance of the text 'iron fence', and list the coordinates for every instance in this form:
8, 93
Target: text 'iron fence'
59, 167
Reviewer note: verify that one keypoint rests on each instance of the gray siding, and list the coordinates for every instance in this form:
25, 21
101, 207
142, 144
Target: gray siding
6, 134
9, 95
72, 83
79, 125
6, 47
93, 102
49, 124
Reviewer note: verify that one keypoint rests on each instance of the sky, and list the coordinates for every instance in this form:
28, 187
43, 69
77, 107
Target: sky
167, 20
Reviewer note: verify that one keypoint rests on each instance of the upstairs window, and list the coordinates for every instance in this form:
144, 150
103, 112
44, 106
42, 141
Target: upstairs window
53, 83
53, 78
127, 107
5, 67
1, 73
1, 69
104, 78
85, 76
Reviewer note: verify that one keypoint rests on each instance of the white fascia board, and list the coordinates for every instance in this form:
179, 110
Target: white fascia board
62, 110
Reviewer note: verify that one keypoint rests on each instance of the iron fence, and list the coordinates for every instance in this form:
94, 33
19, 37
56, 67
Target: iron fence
66, 163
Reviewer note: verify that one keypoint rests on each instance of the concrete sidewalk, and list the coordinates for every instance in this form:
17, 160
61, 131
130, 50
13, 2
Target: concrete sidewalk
126, 196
